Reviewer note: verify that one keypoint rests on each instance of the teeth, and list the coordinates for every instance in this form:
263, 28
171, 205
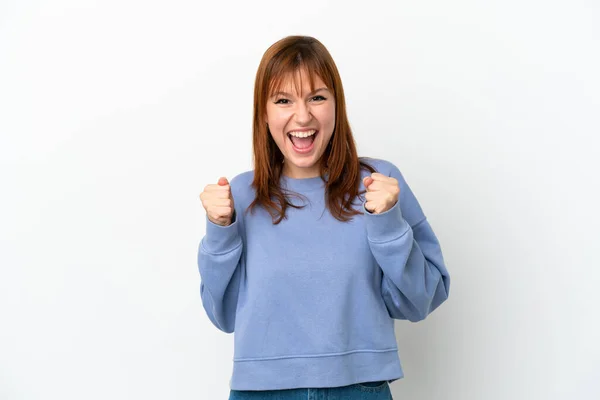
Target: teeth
303, 134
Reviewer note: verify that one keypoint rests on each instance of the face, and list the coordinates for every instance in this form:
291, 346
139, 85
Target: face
301, 125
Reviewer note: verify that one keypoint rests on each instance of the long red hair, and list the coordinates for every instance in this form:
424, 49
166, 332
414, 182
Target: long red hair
340, 160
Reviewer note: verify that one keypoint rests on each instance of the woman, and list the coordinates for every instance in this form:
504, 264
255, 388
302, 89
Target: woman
311, 256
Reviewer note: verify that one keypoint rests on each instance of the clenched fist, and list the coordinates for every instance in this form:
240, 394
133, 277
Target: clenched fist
382, 192
218, 202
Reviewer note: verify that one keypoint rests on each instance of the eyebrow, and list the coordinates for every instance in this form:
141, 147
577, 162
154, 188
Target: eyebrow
289, 95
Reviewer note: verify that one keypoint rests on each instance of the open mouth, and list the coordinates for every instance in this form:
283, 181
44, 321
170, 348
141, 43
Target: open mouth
303, 141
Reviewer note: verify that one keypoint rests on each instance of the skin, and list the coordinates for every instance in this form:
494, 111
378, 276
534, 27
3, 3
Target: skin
218, 202
290, 111
382, 192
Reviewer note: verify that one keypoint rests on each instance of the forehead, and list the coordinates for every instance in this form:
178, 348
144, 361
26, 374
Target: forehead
298, 81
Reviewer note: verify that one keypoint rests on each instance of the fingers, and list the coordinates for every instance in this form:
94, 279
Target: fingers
381, 192
380, 177
220, 214
215, 193
370, 196
373, 185
218, 202
377, 181
380, 196
376, 176
222, 203
222, 189
216, 188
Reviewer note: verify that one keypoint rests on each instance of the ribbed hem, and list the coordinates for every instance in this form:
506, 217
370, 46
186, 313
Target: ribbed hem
316, 372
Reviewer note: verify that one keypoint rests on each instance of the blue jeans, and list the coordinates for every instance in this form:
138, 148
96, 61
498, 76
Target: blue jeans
379, 390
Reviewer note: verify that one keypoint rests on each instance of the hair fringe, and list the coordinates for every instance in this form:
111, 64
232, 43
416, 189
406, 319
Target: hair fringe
340, 159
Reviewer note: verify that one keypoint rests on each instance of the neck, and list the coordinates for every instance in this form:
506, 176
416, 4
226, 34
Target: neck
301, 173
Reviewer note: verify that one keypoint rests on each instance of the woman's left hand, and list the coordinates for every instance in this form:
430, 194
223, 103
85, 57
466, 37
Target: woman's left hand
382, 192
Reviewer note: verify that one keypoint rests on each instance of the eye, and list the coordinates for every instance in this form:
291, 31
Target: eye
282, 101
318, 98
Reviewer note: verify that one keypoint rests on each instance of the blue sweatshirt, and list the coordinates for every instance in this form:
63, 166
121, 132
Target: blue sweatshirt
312, 300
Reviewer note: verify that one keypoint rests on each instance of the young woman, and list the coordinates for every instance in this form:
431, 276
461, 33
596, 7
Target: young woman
311, 256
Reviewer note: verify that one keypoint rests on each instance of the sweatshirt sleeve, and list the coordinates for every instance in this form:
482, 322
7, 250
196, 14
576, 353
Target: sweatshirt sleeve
219, 259
415, 279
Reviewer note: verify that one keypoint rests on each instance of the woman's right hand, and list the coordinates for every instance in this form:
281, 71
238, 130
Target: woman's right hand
218, 202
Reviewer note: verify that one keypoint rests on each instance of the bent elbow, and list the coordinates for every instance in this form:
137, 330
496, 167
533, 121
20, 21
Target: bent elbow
219, 319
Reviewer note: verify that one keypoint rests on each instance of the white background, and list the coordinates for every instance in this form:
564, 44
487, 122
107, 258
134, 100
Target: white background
115, 114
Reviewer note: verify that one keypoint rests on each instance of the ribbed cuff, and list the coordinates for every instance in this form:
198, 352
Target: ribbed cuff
386, 226
221, 239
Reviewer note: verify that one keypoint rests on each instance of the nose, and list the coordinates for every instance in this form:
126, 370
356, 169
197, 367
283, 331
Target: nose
303, 115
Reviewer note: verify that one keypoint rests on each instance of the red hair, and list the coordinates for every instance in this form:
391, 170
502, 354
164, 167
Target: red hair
340, 160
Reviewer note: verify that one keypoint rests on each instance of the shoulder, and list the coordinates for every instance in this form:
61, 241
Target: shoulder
384, 167
242, 179
241, 184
